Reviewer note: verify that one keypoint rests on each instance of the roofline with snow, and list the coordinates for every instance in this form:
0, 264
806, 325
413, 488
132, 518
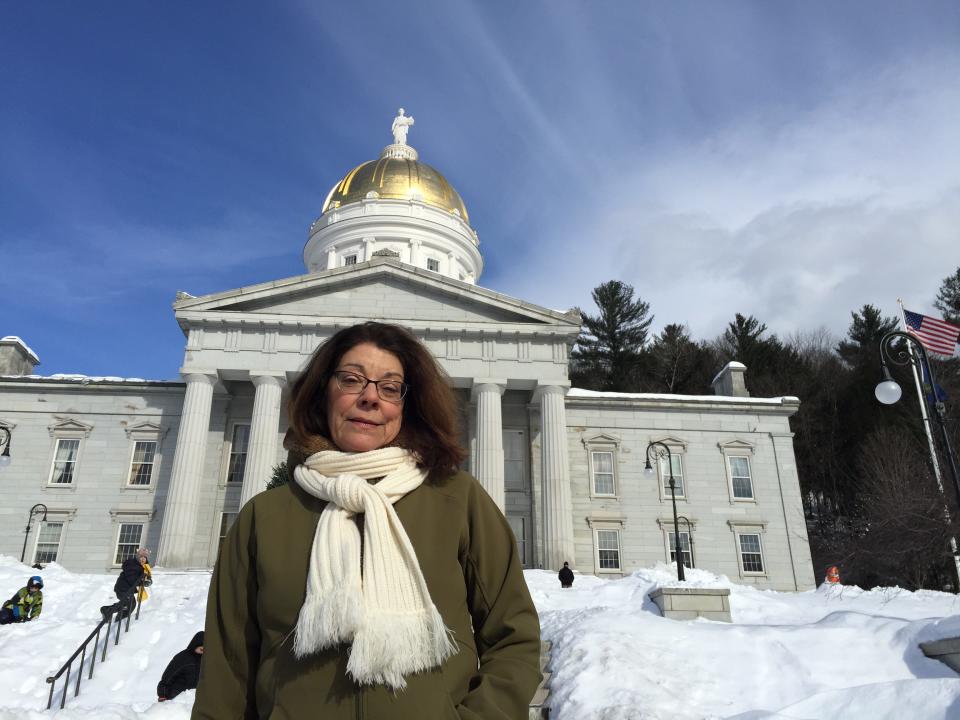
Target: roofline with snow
787, 404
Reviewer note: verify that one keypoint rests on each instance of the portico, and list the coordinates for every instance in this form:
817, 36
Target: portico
262, 336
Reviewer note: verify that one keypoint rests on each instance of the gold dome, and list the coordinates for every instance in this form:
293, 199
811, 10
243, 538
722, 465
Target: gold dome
396, 179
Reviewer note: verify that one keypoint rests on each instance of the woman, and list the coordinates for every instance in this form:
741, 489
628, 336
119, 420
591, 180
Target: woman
381, 582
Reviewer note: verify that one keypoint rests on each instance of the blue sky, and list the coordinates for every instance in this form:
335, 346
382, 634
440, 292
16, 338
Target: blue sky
788, 160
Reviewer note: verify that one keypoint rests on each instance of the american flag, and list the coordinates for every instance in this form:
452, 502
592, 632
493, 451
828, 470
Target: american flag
934, 334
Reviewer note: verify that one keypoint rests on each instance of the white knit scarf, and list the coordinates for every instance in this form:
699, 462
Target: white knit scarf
386, 613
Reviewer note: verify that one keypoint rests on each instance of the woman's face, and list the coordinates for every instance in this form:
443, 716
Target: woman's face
364, 422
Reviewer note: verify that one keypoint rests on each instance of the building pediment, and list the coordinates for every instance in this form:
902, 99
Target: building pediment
735, 446
672, 441
66, 426
382, 289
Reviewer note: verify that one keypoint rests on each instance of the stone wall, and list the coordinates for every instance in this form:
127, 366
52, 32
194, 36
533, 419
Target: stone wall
703, 436
106, 418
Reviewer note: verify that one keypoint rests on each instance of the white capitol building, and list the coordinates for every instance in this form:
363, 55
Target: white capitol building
167, 464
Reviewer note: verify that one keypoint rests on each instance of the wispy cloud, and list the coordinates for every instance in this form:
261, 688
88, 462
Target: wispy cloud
797, 218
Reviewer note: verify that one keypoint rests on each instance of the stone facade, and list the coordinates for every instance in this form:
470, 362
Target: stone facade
704, 433
531, 439
104, 419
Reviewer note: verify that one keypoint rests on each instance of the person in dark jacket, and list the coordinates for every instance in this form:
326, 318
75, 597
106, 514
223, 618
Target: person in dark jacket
132, 573
566, 576
183, 670
25, 605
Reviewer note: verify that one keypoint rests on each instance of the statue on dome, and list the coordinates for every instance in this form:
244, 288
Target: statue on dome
401, 124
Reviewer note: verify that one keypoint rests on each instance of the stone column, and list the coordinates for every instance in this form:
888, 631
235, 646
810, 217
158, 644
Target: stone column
415, 244
331, 257
264, 428
489, 458
555, 479
186, 476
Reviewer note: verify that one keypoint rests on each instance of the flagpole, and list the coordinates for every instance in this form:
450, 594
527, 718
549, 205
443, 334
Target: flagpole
933, 448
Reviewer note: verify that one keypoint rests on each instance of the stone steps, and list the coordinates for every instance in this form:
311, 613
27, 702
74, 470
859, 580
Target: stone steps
539, 709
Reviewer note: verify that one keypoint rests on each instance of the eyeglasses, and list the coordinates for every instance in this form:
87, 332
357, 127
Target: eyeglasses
392, 391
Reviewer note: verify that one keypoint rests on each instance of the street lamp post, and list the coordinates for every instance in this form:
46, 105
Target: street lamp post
657, 450
888, 391
39, 507
5, 444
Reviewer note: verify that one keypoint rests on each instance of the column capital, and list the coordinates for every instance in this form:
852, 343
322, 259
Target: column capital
268, 377
559, 387
192, 375
490, 385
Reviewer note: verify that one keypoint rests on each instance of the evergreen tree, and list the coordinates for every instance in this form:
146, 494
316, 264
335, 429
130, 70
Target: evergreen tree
609, 352
948, 298
279, 476
860, 414
742, 337
770, 363
867, 327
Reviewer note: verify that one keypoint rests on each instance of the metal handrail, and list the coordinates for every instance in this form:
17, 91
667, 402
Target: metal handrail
133, 595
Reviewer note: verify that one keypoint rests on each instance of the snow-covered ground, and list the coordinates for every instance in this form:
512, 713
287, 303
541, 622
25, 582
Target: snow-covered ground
833, 652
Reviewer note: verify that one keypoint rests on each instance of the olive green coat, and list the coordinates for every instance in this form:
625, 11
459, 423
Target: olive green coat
469, 560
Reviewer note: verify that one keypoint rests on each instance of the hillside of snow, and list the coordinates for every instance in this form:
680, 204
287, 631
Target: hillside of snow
834, 652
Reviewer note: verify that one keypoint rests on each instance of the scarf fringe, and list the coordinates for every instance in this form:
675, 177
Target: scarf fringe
425, 640
326, 621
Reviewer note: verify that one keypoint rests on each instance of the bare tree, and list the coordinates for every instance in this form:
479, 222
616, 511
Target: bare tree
903, 535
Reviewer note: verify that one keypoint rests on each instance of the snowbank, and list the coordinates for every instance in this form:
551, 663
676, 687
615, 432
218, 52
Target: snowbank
833, 652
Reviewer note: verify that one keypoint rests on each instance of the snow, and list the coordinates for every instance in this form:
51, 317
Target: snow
125, 685
837, 651
86, 379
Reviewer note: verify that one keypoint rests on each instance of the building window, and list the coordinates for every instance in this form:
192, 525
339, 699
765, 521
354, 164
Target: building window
433, 265
128, 540
514, 452
602, 451
601, 465
349, 260
676, 464
684, 547
238, 453
226, 522
608, 549
141, 466
519, 527
64, 461
48, 542
740, 479
751, 553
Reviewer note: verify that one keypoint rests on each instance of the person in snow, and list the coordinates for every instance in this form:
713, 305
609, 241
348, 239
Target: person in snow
382, 582
182, 671
25, 605
134, 571
566, 576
